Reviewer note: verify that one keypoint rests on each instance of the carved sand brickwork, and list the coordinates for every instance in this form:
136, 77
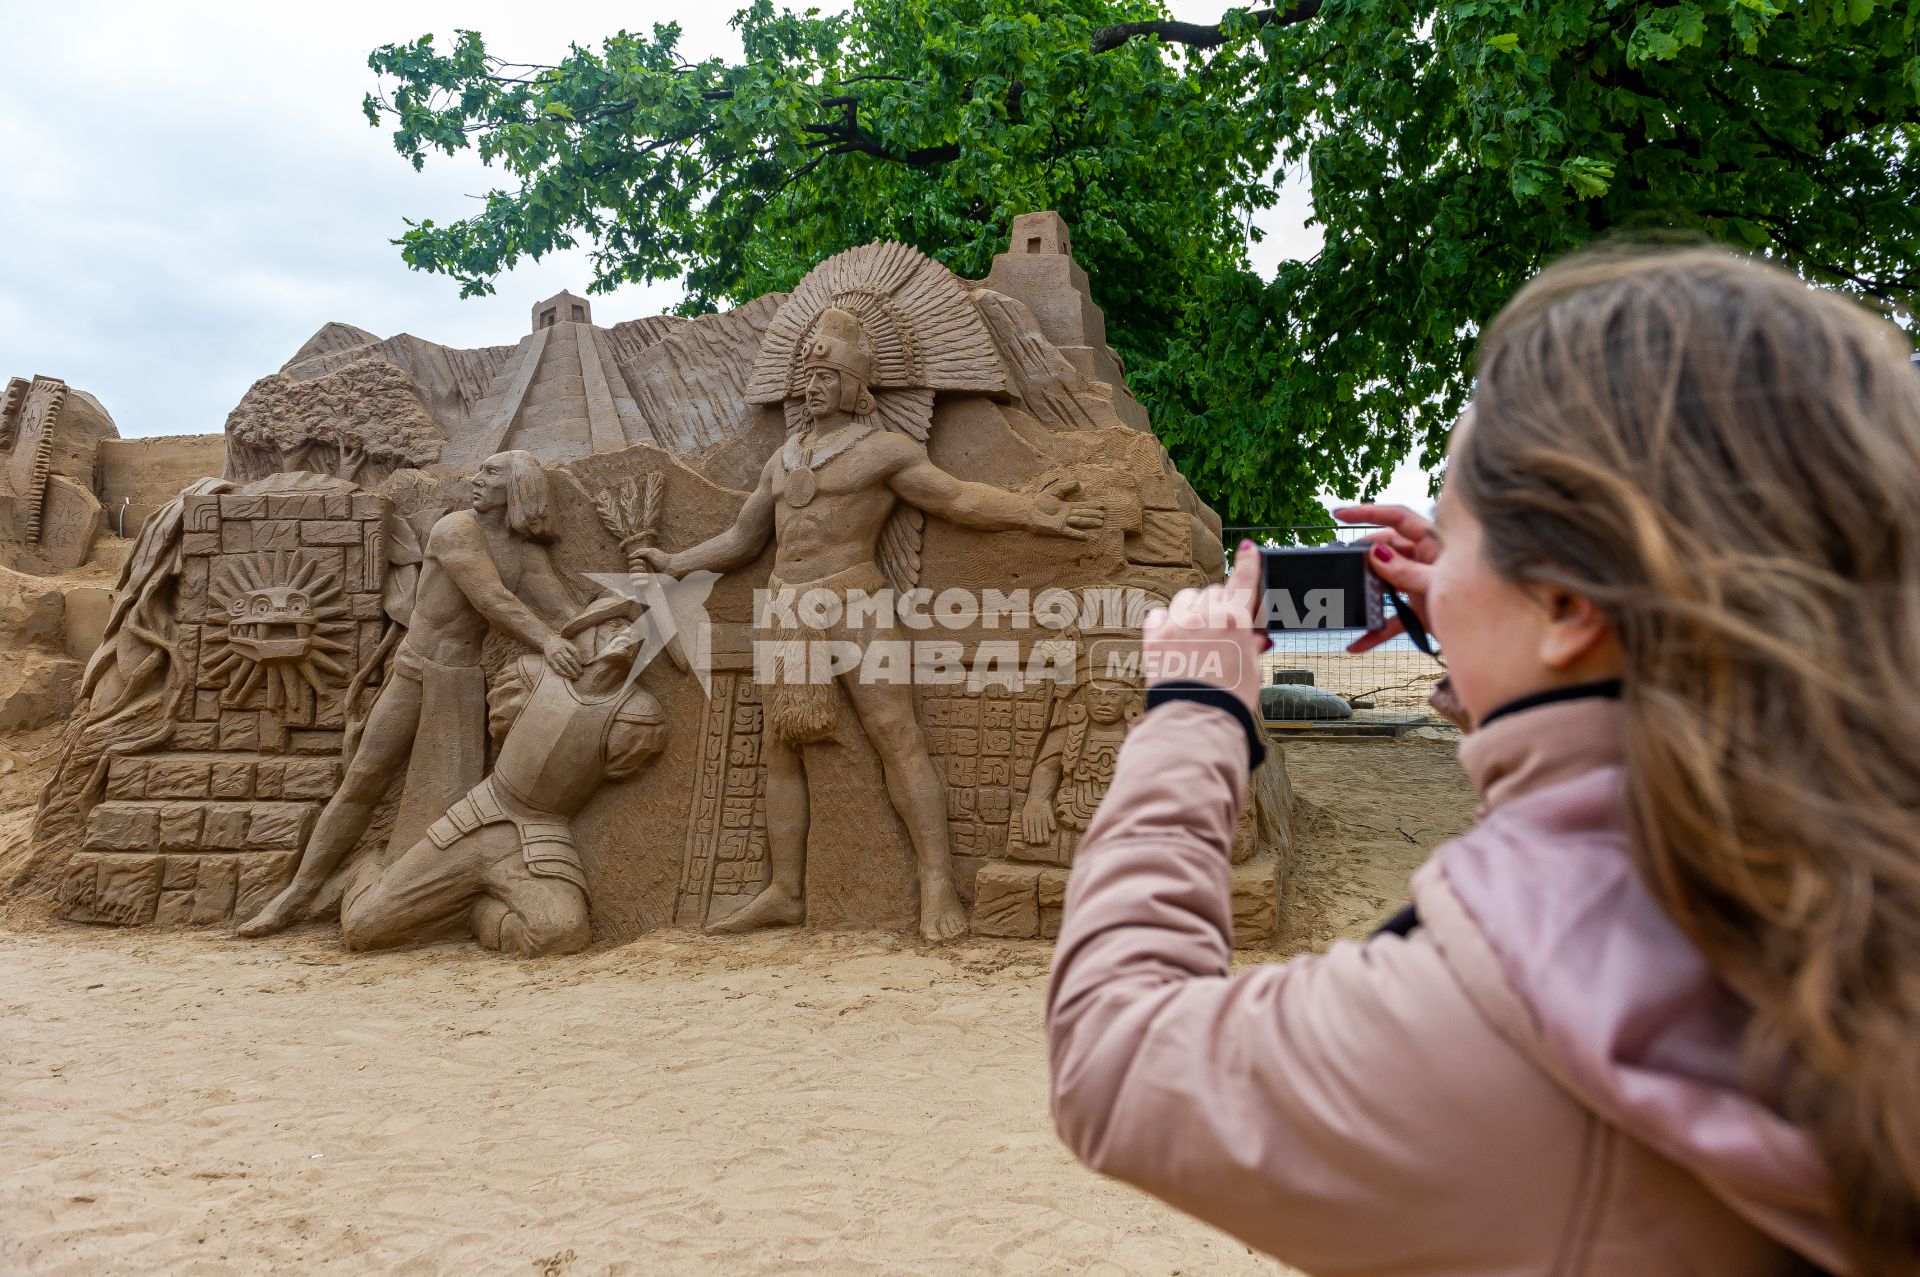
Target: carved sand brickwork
272, 610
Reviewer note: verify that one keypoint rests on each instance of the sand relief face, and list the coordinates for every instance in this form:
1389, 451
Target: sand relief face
287, 629
431, 706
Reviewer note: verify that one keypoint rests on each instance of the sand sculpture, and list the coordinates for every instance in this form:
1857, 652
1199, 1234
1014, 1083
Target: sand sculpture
69, 483
50, 435
848, 492
301, 653
502, 858
483, 567
180, 794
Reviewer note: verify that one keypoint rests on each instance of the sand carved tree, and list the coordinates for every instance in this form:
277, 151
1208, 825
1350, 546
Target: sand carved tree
360, 422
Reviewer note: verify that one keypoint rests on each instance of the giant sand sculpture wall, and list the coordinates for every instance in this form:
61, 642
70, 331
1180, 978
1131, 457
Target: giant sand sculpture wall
290, 714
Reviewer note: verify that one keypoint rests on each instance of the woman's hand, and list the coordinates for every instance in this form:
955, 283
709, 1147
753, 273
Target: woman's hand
1209, 636
1403, 553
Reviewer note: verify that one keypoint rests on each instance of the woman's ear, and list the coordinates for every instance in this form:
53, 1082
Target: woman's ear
1577, 639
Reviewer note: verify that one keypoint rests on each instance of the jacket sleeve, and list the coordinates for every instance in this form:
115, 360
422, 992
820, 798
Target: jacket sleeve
1343, 1112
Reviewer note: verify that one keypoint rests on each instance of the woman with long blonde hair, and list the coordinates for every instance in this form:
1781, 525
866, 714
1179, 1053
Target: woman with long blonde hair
1659, 1011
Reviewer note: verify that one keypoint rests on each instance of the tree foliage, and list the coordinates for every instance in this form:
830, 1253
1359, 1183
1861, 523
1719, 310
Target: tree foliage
1453, 148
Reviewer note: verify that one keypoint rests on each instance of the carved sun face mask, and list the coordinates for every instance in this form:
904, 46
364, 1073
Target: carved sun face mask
271, 624
285, 625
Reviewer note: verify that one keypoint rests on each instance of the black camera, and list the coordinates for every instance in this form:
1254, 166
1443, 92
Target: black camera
1321, 587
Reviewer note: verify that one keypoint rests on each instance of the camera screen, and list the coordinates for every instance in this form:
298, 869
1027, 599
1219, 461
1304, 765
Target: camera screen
1321, 588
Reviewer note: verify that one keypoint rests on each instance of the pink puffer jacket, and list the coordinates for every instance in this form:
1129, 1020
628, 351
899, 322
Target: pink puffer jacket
1541, 1078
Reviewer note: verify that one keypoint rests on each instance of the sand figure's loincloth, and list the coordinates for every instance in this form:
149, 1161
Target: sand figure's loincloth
799, 712
449, 754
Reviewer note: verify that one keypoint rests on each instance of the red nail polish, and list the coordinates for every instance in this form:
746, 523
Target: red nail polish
1385, 553
1266, 642
1246, 546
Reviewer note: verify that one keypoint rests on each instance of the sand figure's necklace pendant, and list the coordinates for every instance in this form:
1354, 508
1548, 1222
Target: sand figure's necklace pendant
802, 483
801, 486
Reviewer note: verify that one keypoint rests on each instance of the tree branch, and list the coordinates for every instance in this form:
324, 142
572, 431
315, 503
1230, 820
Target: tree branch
1198, 35
1890, 288
845, 137
923, 157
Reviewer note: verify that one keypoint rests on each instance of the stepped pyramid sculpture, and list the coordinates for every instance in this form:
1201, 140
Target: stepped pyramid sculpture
361, 407
560, 376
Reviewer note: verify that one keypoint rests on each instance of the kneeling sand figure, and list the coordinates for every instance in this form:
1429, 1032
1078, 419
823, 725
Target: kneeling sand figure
824, 500
503, 856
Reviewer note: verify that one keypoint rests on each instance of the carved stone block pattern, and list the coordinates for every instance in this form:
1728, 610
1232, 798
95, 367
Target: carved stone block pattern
979, 749
270, 624
726, 854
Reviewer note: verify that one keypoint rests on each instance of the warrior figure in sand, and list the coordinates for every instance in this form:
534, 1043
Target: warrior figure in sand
829, 499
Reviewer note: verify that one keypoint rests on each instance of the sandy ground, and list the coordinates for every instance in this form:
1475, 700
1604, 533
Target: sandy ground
184, 1103
1367, 813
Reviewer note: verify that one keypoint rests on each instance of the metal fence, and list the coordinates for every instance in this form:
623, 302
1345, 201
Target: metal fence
1314, 685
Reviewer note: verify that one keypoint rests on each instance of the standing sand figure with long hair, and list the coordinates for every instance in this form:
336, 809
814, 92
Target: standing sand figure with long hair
480, 564
1658, 1012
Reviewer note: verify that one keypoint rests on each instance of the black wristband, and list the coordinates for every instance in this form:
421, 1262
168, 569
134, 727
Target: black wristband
1218, 698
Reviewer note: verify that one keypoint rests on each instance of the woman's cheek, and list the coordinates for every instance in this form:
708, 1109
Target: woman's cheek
1461, 642
1441, 618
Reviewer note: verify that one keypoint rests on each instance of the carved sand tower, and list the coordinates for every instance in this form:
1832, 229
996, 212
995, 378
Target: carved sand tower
50, 436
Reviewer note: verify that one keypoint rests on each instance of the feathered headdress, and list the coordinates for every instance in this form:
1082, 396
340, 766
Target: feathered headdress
923, 334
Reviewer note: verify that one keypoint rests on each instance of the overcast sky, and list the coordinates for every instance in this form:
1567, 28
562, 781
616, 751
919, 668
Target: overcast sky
188, 190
